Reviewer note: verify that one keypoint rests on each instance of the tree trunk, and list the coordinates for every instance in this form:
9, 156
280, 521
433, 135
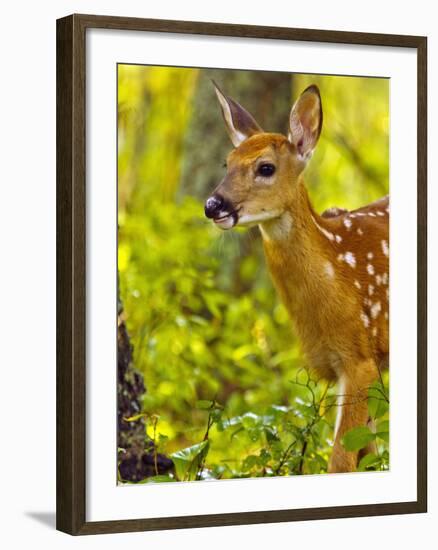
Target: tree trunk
136, 457
207, 143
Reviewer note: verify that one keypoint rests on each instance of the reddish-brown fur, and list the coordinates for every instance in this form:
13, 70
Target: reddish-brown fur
331, 272
328, 312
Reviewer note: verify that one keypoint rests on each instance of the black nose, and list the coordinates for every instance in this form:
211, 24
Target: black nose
213, 206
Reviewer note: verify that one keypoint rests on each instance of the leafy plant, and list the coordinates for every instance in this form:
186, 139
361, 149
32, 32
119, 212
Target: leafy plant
358, 438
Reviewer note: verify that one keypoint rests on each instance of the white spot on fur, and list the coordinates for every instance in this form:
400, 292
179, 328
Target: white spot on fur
365, 319
386, 315
378, 280
324, 231
371, 214
385, 248
379, 213
370, 290
370, 255
340, 403
375, 310
329, 270
350, 259
357, 284
374, 331
347, 223
385, 278
359, 231
366, 302
370, 269
338, 238
360, 214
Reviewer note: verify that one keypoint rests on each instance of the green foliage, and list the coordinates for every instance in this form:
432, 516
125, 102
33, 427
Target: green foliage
188, 461
358, 438
378, 401
226, 394
158, 479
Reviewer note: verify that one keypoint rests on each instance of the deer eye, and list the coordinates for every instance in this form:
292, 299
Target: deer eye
266, 170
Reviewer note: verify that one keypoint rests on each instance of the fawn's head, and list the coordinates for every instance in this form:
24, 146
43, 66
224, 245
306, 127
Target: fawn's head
263, 168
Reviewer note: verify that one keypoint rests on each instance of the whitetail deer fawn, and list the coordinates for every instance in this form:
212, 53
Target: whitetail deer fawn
331, 270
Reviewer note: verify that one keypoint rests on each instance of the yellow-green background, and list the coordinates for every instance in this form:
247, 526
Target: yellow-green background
201, 312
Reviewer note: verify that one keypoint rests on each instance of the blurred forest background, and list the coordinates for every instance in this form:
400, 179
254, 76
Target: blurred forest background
227, 395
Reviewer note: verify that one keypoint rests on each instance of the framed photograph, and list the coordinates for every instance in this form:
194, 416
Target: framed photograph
241, 274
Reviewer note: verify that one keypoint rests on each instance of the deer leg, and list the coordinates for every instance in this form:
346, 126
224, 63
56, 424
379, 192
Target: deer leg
352, 412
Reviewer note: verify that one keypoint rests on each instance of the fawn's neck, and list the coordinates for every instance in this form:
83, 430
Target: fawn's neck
299, 254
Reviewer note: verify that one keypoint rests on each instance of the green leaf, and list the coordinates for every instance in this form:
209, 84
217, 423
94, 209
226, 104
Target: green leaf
216, 415
383, 426
235, 421
249, 420
369, 461
357, 438
264, 457
249, 463
383, 430
158, 479
377, 403
134, 418
241, 429
304, 408
188, 460
211, 304
255, 433
384, 436
271, 435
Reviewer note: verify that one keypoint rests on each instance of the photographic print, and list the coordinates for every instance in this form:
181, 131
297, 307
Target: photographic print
253, 274
228, 285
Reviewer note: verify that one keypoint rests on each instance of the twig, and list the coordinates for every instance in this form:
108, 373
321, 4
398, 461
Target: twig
285, 456
303, 452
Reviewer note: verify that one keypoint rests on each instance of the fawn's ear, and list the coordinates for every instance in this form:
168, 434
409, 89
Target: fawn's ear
305, 122
240, 124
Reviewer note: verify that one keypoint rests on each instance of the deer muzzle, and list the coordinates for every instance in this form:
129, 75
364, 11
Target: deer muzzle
221, 211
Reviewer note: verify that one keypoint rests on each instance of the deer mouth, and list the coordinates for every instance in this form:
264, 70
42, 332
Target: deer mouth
227, 220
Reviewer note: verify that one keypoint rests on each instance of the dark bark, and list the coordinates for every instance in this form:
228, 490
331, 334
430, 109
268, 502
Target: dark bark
136, 454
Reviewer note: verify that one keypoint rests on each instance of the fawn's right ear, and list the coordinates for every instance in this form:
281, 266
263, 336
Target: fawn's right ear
305, 122
240, 124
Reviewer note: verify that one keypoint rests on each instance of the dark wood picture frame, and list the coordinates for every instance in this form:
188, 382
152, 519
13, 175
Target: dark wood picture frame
71, 271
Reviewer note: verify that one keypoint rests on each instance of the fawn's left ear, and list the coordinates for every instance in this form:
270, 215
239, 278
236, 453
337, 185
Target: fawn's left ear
240, 124
305, 122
